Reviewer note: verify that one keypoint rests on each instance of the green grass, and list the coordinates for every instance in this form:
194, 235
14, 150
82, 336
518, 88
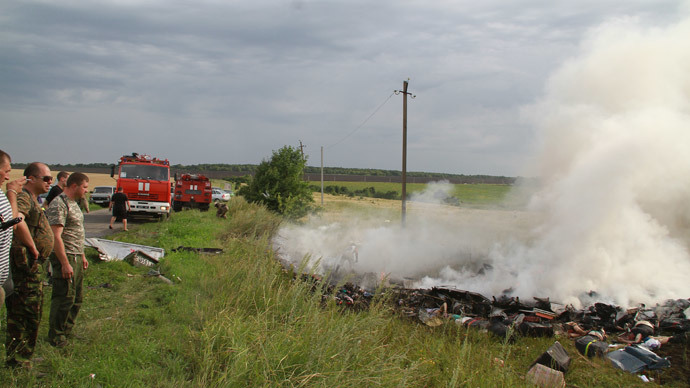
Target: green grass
240, 320
472, 194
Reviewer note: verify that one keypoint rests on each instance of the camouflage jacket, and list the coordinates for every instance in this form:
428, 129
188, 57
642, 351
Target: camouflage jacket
66, 212
38, 227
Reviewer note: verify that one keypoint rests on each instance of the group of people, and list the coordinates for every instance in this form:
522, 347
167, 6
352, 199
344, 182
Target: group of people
31, 235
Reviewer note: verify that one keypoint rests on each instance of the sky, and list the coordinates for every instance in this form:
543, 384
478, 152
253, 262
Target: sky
231, 81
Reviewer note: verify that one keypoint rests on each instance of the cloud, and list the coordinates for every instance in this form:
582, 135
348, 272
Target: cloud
295, 70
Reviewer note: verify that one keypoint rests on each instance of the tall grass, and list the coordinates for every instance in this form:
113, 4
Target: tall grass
238, 319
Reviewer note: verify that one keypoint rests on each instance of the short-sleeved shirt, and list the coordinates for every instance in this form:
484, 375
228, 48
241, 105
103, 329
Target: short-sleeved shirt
5, 238
37, 223
119, 201
66, 212
54, 192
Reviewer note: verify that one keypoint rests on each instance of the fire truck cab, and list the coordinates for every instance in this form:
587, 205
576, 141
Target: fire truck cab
146, 182
192, 191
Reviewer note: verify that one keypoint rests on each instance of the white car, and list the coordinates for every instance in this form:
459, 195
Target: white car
219, 195
101, 195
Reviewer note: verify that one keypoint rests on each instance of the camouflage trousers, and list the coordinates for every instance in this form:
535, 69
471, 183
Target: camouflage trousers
66, 299
24, 308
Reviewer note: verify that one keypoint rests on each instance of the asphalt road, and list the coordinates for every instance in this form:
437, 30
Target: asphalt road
96, 223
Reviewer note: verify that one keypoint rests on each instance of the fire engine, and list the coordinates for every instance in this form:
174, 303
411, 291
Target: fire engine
146, 182
193, 191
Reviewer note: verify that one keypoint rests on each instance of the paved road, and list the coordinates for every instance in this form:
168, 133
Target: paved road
96, 223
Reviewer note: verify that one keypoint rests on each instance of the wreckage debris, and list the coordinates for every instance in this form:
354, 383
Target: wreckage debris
555, 357
141, 259
157, 274
590, 346
544, 377
109, 250
214, 251
636, 358
505, 317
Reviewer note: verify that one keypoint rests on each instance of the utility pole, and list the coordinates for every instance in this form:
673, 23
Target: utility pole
404, 150
321, 175
301, 148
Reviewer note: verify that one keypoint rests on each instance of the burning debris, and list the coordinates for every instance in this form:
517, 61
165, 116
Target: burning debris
591, 328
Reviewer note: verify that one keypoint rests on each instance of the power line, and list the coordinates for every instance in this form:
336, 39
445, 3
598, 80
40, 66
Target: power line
362, 124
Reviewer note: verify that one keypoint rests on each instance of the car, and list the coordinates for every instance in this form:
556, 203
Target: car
101, 195
219, 195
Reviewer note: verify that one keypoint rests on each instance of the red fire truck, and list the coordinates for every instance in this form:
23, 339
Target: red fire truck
146, 181
192, 191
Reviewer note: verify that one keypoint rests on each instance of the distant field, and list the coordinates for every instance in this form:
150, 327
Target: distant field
480, 194
472, 194
94, 179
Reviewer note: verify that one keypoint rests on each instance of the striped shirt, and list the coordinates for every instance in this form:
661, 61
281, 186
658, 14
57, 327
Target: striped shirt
5, 238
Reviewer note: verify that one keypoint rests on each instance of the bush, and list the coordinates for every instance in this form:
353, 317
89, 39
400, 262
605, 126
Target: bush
278, 184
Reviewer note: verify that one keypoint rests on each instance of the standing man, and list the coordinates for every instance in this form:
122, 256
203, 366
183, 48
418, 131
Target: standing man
31, 245
119, 204
8, 211
68, 259
59, 186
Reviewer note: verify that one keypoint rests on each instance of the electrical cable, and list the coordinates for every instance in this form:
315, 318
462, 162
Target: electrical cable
362, 124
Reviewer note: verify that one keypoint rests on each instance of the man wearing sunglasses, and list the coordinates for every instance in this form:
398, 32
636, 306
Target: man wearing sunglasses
31, 245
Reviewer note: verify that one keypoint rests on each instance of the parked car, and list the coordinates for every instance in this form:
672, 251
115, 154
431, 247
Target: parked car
101, 195
219, 195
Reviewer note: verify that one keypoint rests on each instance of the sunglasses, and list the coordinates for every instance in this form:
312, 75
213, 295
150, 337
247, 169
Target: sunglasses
46, 178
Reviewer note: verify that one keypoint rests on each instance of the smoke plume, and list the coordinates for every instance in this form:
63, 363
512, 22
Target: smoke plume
611, 214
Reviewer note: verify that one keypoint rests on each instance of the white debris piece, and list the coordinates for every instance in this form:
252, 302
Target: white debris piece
109, 250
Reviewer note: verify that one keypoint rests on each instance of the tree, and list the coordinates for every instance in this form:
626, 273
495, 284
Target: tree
278, 184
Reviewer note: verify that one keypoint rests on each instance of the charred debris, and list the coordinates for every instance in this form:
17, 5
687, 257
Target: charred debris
599, 330
535, 317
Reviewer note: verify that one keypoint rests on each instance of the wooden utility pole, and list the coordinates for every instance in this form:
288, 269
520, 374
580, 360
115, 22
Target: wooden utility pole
321, 175
404, 151
301, 148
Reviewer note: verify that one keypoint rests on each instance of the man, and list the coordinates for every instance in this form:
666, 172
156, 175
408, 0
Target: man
68, 259
8, 211
57, 189
31, 245
119, 204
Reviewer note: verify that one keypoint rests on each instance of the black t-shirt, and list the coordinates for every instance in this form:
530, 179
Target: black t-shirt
119, 200
54, 192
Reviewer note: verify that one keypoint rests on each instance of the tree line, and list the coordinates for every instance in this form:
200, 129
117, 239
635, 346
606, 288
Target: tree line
250, 169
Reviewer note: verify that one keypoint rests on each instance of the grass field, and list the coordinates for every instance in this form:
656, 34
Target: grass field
478, 194
239, 320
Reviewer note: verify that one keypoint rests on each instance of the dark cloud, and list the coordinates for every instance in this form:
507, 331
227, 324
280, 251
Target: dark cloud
246, 77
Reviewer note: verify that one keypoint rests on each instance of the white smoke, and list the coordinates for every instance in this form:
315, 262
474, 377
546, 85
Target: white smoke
616, 166
613, 214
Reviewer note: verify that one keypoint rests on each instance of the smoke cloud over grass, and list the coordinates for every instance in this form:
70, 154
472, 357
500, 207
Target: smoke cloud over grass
611, 215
